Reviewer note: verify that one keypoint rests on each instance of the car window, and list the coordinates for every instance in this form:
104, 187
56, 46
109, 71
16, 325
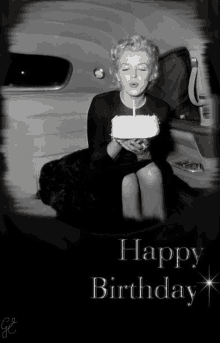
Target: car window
27, 70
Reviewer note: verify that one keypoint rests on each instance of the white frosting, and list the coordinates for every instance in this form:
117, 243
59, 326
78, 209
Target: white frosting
140, 126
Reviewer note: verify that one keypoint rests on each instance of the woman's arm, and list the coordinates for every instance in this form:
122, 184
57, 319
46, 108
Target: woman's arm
101, 150
162, 144
139, 147
113, 149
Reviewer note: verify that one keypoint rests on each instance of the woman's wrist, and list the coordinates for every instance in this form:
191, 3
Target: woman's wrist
113, 148
144, 156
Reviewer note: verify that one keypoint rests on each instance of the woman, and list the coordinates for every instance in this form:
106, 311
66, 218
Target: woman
130, 170
115, 179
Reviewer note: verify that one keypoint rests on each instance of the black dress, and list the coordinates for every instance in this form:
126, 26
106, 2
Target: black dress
105, 173
87, 183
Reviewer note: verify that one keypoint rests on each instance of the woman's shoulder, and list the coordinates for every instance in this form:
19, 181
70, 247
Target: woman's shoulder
103, 104
157, 102
160, 107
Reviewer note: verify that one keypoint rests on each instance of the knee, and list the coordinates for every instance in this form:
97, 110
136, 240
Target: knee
129, 183
151, 175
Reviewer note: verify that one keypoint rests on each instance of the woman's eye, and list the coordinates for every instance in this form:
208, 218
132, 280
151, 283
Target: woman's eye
139, 68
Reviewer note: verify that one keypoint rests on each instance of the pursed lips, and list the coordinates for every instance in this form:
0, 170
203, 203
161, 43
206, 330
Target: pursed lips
133, 84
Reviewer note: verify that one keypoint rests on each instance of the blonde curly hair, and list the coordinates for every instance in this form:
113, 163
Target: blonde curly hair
137, 43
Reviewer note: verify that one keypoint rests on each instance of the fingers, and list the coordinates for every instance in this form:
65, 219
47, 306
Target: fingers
125, 142
145, 144
139, 140
141, 145
137, 146
118, 140
134, 144
125, 146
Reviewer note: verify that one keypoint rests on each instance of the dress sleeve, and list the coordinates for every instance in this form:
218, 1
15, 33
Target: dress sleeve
162, 144
96, 125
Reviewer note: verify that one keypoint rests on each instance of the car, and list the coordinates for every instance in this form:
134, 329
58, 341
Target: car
59, 60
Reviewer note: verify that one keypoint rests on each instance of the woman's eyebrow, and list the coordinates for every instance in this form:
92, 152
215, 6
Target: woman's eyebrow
137, 64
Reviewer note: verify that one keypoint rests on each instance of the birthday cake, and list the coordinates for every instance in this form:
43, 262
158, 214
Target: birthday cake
139, 126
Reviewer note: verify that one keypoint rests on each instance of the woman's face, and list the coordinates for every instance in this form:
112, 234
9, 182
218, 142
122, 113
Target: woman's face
134, 72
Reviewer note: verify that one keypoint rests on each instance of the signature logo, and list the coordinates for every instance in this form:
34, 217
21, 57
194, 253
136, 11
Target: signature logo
7, 325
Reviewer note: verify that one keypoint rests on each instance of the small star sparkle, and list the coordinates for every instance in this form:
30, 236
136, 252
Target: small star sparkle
209, 283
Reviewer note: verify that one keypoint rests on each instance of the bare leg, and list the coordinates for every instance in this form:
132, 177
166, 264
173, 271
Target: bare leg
131, 197
152, 195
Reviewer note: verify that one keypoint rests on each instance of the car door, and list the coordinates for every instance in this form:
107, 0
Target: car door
195, 132
195, 155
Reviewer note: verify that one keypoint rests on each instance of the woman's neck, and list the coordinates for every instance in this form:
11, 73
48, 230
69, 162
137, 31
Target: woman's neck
128, 100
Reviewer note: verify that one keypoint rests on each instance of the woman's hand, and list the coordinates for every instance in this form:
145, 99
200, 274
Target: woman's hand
137, 146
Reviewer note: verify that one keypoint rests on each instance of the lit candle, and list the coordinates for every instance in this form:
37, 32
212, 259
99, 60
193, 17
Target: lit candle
134, 114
